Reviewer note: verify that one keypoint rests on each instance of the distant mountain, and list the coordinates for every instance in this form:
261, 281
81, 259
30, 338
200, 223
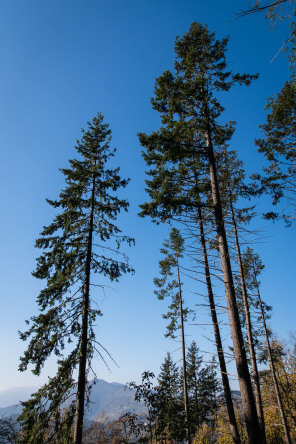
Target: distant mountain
12, 411
111, 398
15, 395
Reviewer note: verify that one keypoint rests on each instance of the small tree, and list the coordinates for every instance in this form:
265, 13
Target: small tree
88, 208
170, 285
170, 412
147, 393
203, 388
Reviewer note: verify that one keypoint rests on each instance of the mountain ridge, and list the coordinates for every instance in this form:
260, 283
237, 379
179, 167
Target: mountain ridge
112, 398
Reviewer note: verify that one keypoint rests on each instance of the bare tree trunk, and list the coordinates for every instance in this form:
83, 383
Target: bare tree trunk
272, 368
80, 397
248, 401
225, 380
255, 373
184, 359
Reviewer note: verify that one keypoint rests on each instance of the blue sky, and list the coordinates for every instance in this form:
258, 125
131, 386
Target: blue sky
61, 63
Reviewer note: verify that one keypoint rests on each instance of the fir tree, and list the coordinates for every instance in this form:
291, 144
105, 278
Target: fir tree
170, 413
190, 112
194, 363
203, 388
88, 208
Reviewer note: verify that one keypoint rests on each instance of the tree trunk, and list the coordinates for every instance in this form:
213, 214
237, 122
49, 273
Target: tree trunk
224, 376
272, 368
80, 397
255, 373
184, 359
248, 401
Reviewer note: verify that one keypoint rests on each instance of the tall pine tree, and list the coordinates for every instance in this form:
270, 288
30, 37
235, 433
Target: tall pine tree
82, 239
189, 108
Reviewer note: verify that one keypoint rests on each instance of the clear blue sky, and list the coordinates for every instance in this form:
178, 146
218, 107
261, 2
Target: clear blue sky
61, 63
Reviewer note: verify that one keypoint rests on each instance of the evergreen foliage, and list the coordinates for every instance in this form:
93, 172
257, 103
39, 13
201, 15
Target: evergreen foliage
168, 285
185, 145
278, 147
165, 400
88, 208
170, 411
204, 389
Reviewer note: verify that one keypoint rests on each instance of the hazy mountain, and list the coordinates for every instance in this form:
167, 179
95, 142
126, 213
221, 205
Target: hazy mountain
15, 395
112, 398
13, 411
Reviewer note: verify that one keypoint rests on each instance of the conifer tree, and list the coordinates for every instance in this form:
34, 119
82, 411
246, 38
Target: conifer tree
170, 414
194, 363
203, 386
187, 102
253, 267
278, 142
82, 239
278, 147
170, 285
224, 376
251, 343
233, 187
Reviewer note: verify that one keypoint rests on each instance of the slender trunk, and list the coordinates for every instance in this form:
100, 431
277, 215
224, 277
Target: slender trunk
248, 401
184, 359
150, 427
225, 381
255, 373
80, 397
272, 368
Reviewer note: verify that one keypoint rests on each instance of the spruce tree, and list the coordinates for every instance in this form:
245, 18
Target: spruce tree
83, 239
194, 363
203, 388
189, 108
170, 412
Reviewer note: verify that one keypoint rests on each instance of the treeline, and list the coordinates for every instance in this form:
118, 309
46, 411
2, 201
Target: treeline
198, 185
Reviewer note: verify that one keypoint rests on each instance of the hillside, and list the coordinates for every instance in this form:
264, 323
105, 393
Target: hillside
111, 398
